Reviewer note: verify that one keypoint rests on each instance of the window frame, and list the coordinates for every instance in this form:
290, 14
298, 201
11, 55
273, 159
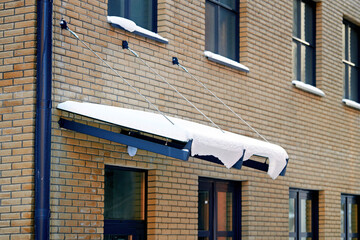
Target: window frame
348, 65
298, 195
346, 199
154, 18
220, 5
302, 43
136, 228
213, 186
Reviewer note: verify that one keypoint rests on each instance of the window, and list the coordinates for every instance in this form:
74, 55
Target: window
303, 215
351, 37
125, 204
304, 41
219, 210
350, 213
222, 28
142, 12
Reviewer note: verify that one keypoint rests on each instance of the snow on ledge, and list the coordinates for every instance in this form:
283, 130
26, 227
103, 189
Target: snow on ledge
308, 88
351, 103
131, 26
225, 61
206, 141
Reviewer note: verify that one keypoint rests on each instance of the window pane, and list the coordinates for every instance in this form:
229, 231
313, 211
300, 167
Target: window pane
116, 8
346, 41
354, 84
308, 33
296, 23
291, 215
353, 215
343, 217
117, 237
306, 216
346, 81
203, 210
224, 238
302, 20
309, 64
141, 12
354, 46
225, 210
203, 238
230, 3
210, 27
303, 62
227, 31
296, 70
124, 195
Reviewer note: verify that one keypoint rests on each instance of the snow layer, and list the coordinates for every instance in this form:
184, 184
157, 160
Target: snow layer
131, 26
351, 103
227, 147
126, 24
139, 120
150, 34
226, 61
308, 88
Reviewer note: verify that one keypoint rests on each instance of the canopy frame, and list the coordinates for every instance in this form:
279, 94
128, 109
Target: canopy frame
173, 148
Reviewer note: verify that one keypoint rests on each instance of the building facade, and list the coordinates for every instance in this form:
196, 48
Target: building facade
289, 68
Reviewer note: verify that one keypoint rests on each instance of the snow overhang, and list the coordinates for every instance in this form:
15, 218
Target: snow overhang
178, 138
131, 26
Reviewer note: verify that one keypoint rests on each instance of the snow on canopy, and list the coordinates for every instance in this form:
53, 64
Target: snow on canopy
206, 141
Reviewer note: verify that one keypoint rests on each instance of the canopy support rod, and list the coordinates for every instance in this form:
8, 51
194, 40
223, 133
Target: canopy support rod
175, 61
126, 46
63, 25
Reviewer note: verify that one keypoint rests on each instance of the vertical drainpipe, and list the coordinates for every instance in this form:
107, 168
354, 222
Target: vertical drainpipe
43, 119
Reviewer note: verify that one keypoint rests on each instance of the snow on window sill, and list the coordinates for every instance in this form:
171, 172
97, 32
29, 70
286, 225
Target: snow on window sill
351, 103
308, 88
225, 61
131, 26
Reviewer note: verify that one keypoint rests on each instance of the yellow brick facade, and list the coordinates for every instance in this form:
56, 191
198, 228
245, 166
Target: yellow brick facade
320, 134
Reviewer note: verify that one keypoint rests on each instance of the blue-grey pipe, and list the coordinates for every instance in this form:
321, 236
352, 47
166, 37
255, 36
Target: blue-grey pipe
43, 119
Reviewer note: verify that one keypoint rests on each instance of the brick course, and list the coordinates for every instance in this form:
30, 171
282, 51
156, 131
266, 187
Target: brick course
319, 134
18, 20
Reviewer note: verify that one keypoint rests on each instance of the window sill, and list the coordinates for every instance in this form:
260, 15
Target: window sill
225, 61
308, 88
131, 26
351, 103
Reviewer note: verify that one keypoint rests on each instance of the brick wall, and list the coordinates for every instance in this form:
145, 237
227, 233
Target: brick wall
323, 154
17, 74
319, 134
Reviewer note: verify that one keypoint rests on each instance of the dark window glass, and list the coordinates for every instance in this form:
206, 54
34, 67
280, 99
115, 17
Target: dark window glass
125, 203
219, 210
304, 41
222, 27
303, 214
350, 213
142, 12
351, 54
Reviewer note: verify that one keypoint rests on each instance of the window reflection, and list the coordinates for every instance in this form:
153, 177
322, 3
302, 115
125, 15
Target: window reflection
124, 195
203, 208
291, 215
225, 209
342, 217
353, 214
306, 215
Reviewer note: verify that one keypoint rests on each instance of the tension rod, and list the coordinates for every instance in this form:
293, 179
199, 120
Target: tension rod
64, 25
175, 61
